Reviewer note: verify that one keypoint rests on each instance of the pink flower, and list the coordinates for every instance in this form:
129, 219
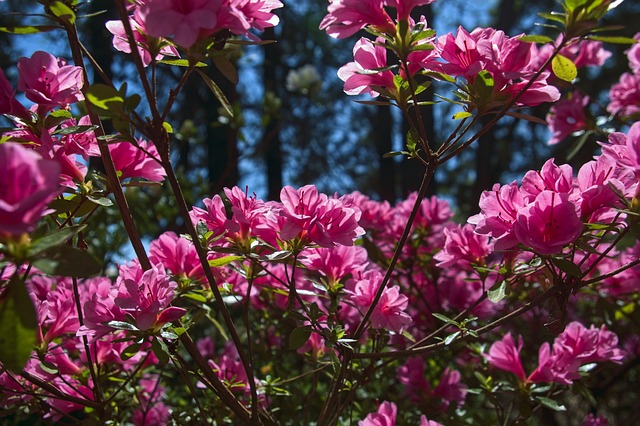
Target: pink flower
450, 388
187, 20
625, 96
215, 217
27, 184
358, 77
505, 355
347, 17
592, 420
595, 180
461, 54
147, 299
8, 102
133, 162
567, 116
239, 16
462, 246
389, 313
336, 262
406, 6
385, 416
550, 176
142, 39
549, 223
498, 212
49, 82
84, 144
176, 254
314, 218
633, 53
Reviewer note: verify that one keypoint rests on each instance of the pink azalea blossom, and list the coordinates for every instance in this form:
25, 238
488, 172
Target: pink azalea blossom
347, 17
567, 116
389, 313
450, 388
147, 299
412, 376
633, 54
357, 76
595, 181
549, 223
84, 144
625, 96
405, 7
505, 355
592, 420
240, 16
132, 162
336, 262
314, 218
385, 416
153, 411
8, 102
27, 184
176, 254
498, 212
462, 246
188, 21
141, 37
49, 82
550, 176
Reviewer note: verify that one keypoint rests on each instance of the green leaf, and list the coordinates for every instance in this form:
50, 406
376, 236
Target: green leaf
181, 63
55, 238
446, 319
223, 261
18, 326
567, 266
450, 338
68, 262
101, 201
73, 130
497, 292
394, 154
217, 92
564, 68
167, 127
226, 68
29, 29
160, 350
105, 97
130, 351
536, 39
614, 39
550, 403
462, 114
122, 325
299, 337
554, 16
63, 12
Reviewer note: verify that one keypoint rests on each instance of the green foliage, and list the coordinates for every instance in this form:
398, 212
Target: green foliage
18, 325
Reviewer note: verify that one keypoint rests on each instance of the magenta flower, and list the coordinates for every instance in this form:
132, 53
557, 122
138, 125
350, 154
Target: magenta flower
625, 96
133, 162
505, 355
141, 37
27, 184
595, 180
550, 176
49, 82
358, 77
633, 53
567, 116
8, 102
405, 7
450, 388
187, 20
549, 223
498, 212
239, 16
176, 254
314, 218
214, 216
347, 17
385, 416
389, 313
147, 299
461, 54
462, 246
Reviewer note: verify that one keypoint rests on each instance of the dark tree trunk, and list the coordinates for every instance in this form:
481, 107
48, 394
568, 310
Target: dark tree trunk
271, 142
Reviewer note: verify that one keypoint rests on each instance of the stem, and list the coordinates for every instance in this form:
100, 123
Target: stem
97, 391
110, 168
428, 174
202, 255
